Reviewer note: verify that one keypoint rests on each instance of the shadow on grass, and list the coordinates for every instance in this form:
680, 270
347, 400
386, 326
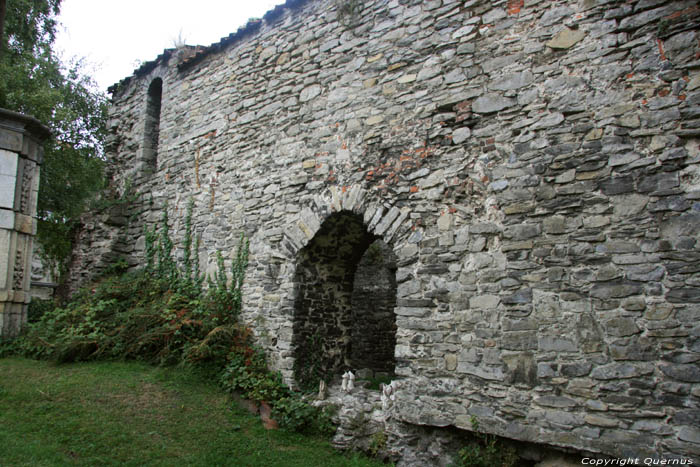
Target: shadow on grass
132, 414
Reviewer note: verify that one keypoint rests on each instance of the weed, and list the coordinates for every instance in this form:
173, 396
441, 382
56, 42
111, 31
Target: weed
375, 382
349, 11
374, 254
162, 314
309, 365
377, 443
247, 373
487, 451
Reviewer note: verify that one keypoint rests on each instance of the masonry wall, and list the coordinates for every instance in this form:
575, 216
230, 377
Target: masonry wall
534, 166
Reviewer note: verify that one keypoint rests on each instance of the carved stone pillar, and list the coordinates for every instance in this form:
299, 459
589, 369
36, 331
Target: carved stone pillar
21, 154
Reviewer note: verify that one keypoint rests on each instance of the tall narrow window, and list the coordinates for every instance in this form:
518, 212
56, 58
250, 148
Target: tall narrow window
150, 142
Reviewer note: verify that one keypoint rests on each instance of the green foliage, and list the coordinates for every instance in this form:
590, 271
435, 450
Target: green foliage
246, 373
298, 415
377, 443
224, 299
131, 414
62, 97
375, 382
349, 11
151, 248
374, 254
309, 364
120, 266
166, 268
487, 451
37, 308
162, 315
27, 59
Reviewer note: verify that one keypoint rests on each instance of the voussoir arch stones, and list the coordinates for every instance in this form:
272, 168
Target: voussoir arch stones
380, 218
273, 308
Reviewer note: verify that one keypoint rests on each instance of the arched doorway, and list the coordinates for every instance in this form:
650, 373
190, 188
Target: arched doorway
344, 308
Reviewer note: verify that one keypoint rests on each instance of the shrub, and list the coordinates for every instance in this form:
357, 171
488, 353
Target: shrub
37, 308
246, 373
486, 451
163, 315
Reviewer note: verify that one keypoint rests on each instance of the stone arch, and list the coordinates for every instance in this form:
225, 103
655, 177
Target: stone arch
271, 313
378, 219
345, 293
151, 133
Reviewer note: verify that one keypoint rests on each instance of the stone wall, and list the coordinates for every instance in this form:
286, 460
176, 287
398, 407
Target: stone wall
534, 165
21, 155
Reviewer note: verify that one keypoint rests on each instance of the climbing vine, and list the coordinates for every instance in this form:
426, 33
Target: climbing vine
164, 314
349, 11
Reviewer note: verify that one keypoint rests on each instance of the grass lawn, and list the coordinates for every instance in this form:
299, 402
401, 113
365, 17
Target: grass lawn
127, 413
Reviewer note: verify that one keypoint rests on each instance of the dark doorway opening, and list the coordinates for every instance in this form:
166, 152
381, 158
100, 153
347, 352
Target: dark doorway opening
344, 310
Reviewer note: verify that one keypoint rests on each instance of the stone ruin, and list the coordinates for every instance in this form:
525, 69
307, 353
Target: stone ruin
21, 156
494, 203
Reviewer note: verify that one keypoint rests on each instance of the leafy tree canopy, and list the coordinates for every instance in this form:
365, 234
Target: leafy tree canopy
35, 82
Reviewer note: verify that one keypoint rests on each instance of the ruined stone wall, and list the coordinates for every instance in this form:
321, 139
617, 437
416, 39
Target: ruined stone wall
533, 164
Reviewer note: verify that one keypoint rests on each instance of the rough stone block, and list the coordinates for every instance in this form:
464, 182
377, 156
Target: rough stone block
490, 103
622, 371
484, 372
566, 38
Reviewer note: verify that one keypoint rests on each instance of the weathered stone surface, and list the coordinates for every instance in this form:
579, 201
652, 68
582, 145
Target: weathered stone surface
522, 368
490, 103
521, 296
621, 370
691, 434
309, 93
687, 294
621, 327
533, 167
484, 372
519, 340
557, 344
689, 373
513, 81
461, 135
484, 301
556, 401
566, 38
617, 289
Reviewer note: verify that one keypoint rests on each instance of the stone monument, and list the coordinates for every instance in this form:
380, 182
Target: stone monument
21, 154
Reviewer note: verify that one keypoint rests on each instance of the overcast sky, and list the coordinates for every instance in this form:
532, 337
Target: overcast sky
114, 36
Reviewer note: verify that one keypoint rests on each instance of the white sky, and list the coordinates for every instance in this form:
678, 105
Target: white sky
115, 35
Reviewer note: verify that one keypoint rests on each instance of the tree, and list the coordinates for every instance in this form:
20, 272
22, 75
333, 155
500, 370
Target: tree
35, 82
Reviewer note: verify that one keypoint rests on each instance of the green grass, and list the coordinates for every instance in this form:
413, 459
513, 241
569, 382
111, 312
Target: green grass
132, 414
